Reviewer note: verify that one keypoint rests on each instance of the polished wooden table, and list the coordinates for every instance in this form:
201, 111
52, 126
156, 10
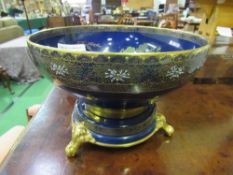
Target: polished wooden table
202, 115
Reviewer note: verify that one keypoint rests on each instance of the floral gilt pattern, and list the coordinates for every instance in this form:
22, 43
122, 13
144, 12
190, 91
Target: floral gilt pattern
117, 76
96, 72
174, 72
59, 69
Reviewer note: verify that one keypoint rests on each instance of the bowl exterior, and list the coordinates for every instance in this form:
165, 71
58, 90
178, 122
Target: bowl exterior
120, 74
133, 74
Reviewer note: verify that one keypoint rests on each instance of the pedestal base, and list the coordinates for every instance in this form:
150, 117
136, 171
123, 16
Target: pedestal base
81, 134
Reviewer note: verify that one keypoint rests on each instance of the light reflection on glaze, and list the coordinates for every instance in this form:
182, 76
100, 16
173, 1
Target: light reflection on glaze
121, 41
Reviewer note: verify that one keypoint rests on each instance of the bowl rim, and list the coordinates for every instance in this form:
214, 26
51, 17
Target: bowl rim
91, 53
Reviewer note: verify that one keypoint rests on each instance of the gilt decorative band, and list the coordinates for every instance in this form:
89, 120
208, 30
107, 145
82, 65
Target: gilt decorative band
114, 127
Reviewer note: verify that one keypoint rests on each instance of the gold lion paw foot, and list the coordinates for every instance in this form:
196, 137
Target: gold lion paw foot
80, 135
71, 150
162, 124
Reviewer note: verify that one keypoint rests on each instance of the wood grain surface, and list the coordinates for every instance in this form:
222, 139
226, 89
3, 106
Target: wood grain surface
202, 144
217, 70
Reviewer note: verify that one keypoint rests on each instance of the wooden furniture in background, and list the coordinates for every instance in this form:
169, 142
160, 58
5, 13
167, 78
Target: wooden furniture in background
215, 15
188, 25
56, 21
168, 20
72, 20
135, 4
107, 19
202, 142
144, 21
126, 19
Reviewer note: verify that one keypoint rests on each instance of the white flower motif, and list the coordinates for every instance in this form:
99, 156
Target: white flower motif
59, 69
117, 76
174, 72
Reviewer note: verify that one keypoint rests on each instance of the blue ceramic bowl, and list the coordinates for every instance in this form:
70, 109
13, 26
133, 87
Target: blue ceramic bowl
118, 61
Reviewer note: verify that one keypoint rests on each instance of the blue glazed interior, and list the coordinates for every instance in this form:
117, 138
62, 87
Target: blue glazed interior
106, 41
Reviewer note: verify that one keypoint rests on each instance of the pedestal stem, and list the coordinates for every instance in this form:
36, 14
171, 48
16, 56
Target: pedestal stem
114, 132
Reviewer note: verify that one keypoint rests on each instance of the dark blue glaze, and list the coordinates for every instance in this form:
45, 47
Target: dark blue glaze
125, 139
115, 104
116, 41
115, 123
